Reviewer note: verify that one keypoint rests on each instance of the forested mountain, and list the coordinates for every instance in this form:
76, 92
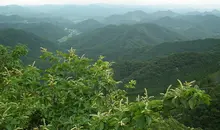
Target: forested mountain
168, 48
87, 25
211, 12
175, 23
127, 18
138, 16
6, 19
185, 27
161, 14
11, 18
45, 30
198, 18
12, 37
112, 41
71, 12
16, 10
183, 60
192, 26
197, 26
156, 75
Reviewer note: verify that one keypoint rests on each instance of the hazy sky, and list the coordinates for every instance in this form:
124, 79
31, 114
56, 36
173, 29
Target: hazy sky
130, 2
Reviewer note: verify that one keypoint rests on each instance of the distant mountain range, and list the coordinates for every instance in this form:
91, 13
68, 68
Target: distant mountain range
193, 25
11, 18
169, 48
87, 25
97, 11
113, 40
137, 17
47, 31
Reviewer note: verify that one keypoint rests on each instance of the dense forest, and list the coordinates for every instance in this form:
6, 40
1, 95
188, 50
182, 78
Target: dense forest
95, 70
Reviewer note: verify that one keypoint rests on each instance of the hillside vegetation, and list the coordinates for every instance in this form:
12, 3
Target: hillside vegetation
113, 39
168, 48
44, 30
87, 25
13, 37
164, 71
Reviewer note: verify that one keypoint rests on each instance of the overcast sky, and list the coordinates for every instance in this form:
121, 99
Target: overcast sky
130, 2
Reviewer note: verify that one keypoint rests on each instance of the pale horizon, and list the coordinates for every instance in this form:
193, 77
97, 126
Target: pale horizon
195, 3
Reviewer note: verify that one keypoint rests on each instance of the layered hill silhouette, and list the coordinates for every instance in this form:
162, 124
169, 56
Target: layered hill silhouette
161, 65
127, 18
11, 18
47, 31
87, 25
138, 16
192, 26
114, 40
158, 74
168, 48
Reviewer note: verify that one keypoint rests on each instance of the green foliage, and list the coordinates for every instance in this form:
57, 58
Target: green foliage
176, 98
10, 58
199, 116
77, 93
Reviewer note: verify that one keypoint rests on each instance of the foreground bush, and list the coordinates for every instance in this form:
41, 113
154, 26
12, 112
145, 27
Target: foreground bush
78, 93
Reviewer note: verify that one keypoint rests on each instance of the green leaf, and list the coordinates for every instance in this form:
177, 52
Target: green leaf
192, 103
140, 122
101, 126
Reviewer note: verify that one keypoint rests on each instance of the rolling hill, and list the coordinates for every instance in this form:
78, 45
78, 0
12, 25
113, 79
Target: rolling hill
168, 48
113, 41
174, 23
44, 30
158, 74
163, 64
131, 17
12, 37
11, 18
193, 25
88, 25
138, 16
166, 13
14, 10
